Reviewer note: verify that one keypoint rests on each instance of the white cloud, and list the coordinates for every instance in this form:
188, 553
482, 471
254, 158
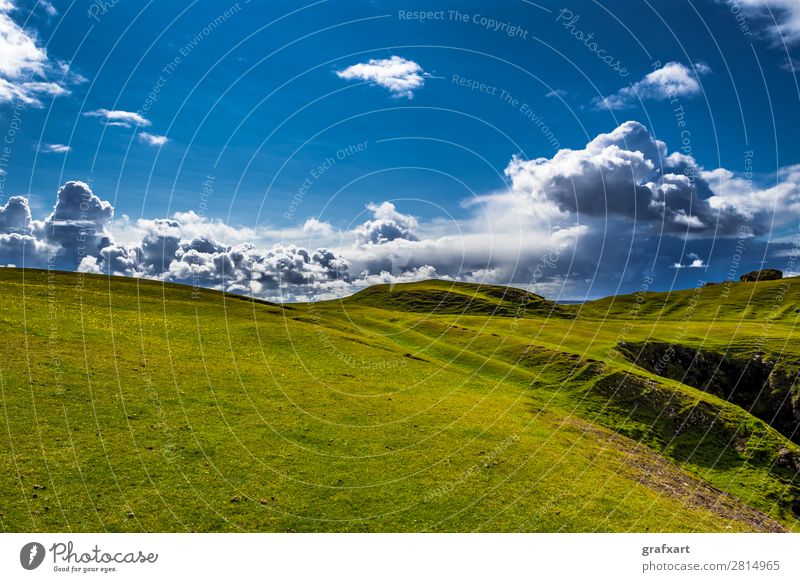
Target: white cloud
673, 79
119, 118
26, 72
55, 148
48, 7
75, 235
196, 226
400, 76
782, 17
151, 139
316, 227
695, 263
71, 76
625, 174
15, 216
388, 225
20, 49
24, 250
779, 203
421, 273
77, 224
30, 93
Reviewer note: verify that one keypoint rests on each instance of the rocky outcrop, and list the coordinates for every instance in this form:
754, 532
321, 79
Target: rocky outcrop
762, 275
701, 432
764, 389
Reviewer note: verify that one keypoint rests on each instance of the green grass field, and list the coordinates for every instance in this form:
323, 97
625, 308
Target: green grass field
139, 406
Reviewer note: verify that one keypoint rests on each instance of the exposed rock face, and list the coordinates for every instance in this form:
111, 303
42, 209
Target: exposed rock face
766, 390
703, 432
762, 275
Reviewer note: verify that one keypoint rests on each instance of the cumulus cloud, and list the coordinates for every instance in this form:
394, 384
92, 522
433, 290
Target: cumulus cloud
187, 248
400, 76
673, 79
276, 272
27, 74
77, 225
15, 216
76, 235
778, 204
20, 250
618, 208
387, 225
280, 272
316, 227
18, 245
119, 118
159, 246
195, 225
626, 173
165, 253
152, 140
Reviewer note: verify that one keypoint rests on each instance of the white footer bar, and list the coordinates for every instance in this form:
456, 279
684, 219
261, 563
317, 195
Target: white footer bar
396, 557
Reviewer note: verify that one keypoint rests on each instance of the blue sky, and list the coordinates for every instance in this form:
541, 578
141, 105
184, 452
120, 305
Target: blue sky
214, 121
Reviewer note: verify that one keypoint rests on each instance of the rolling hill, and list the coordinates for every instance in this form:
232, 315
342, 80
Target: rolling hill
444, 297
132, 405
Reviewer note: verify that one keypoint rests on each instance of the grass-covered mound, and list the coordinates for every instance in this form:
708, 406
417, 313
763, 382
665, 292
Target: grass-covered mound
446, 297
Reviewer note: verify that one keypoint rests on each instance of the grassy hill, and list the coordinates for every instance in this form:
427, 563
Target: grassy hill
446, 297
761, 301
139, 406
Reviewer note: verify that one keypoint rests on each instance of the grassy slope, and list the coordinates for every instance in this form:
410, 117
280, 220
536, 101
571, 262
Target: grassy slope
134, 406
445, 297
763, 301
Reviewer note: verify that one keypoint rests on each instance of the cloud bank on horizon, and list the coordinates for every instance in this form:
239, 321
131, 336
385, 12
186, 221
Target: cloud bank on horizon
555, 212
